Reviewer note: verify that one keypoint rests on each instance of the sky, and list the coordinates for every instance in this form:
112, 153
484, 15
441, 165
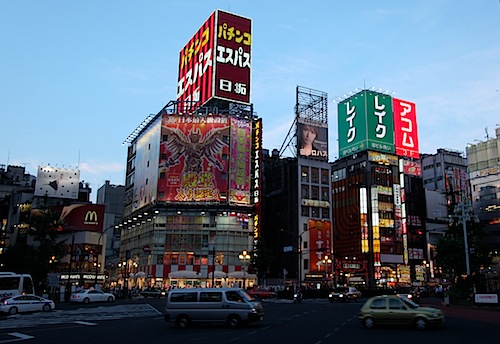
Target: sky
77, 77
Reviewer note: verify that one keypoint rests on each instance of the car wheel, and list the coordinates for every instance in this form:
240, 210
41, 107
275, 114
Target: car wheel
369, 322
182, 321
86, 300
111, 299
12, 310
234, 321
421, 323
46, 307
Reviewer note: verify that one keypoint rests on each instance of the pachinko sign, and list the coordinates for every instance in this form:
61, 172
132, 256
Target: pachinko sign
193, 164
216, 62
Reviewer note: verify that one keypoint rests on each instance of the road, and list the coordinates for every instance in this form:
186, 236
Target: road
313, 321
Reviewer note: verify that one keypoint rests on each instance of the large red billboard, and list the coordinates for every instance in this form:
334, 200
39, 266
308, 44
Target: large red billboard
405, 128
193, 162
83, 217
216, 62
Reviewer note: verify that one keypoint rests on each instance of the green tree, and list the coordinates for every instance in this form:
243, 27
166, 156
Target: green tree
44, 255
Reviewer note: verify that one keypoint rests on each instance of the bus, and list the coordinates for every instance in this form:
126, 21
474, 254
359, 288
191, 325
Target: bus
12, 284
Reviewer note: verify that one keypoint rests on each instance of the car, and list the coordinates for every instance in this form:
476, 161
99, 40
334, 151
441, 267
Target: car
344, 294
153, 292
91, 295
398, 310
26, 303
411, 293
262, 293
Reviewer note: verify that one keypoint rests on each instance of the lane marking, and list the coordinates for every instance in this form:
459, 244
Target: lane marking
85, 323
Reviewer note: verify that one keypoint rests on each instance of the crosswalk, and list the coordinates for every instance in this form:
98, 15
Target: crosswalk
85, 316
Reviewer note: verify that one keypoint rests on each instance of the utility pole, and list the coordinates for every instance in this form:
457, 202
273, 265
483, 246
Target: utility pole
67, 292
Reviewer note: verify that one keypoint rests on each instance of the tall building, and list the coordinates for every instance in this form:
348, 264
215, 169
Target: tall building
484, 178
377, 195
192, 189
297, 213
113, 198
445, 181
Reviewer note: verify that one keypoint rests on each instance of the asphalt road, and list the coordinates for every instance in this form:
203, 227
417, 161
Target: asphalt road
313, 321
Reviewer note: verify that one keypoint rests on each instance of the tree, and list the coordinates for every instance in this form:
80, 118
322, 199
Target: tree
45, 253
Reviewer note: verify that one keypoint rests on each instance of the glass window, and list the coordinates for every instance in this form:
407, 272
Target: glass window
378, 304
304, 175
395, 304
314, 175
234, 296
184, 297
210, 297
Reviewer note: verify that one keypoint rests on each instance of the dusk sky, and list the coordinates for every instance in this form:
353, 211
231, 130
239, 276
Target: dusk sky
77, 77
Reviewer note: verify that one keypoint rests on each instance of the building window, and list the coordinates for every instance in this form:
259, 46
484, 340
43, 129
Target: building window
315, 175
304, 174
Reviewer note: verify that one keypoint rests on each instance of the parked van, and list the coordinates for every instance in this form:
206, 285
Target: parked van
228, 305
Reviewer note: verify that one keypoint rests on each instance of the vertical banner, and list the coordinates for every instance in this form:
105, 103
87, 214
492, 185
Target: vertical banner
239, 164
256, 176
193, 162
405, 128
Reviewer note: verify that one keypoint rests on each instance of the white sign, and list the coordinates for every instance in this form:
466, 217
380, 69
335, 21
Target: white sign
486, 298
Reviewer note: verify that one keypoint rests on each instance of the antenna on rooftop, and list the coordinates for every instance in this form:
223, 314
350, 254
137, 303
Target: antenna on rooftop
487, 135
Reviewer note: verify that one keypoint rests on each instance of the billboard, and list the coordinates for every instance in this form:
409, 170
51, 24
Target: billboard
83, 217
216, 62
239, 163
320, 238
365, 121
193, 163
146, 165
312, 139
57, 182
405, 128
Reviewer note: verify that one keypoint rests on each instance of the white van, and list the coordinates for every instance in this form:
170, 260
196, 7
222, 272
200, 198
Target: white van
228, 305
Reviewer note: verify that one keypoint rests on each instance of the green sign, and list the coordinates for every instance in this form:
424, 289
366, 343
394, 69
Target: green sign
365, 122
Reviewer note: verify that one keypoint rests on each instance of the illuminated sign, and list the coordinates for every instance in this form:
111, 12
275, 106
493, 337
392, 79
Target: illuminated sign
405, 128
312, 139
216, 62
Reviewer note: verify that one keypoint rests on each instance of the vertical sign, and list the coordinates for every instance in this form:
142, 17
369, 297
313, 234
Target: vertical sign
194, 84
312, 139
240, 161
405, 128
352, 125
380, 122
256, 176
320, 237
233, 57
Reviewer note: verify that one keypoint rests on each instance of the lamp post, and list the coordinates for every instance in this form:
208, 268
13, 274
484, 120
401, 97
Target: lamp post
244, 256
299, 253
463, 217
97, 253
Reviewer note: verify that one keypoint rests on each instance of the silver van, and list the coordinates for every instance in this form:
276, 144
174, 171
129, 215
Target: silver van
228, 305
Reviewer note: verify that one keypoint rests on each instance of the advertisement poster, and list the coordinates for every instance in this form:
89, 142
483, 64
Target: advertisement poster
194, 158
405, 128
312, 139
320, 239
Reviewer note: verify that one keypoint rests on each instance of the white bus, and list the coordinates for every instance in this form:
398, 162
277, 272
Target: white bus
12, 284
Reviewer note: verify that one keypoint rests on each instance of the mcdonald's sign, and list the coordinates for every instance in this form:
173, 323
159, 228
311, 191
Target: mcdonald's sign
83, 217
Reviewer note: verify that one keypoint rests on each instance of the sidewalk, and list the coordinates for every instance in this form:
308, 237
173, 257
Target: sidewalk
439, 303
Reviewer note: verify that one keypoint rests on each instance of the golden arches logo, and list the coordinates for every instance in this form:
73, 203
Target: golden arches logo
91, 217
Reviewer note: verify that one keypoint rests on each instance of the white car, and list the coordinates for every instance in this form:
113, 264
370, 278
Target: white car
26, 303
92, 295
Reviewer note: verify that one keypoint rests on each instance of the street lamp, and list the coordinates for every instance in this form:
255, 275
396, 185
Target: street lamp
244, 256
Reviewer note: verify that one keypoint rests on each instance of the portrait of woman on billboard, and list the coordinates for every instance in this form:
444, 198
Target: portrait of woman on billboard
309, 141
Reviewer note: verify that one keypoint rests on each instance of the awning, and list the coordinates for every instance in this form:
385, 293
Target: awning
183, 274
241, 274
140, 274
218, 274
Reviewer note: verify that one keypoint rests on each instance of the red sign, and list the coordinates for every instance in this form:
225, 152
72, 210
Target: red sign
405, 128
146, 249
216, 62
84, 217
320, 238
194, 85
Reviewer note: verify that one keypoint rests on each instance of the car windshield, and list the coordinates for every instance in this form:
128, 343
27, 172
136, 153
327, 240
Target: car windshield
410, 303
341, 290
